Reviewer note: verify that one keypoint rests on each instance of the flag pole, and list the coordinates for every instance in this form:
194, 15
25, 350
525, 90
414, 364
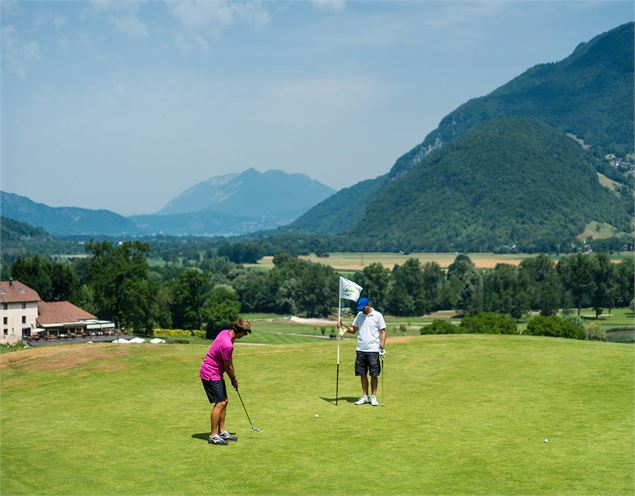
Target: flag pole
337, 374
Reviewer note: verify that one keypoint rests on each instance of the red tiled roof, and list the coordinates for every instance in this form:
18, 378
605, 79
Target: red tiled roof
60, 312
16, 292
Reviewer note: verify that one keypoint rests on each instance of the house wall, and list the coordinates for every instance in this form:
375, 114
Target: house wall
11, 321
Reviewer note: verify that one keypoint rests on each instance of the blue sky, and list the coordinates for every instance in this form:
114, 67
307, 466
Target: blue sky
123, 105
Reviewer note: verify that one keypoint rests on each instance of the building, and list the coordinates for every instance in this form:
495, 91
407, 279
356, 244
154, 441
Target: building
25, 316
18, 311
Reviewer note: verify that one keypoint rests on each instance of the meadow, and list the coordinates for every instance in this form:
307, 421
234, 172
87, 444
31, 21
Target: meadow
463, 414
348, 262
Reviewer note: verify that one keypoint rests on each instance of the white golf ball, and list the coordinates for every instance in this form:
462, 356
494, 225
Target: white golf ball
316, 415
546, 440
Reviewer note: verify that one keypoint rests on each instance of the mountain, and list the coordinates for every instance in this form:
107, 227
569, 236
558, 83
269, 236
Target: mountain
339, 212
588, 95
200, 196
274, 195
64, 221
13, 230
506, 182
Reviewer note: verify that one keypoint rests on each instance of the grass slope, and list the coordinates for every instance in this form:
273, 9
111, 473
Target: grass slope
463, 415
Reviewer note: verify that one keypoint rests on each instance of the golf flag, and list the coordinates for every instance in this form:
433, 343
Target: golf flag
349, 290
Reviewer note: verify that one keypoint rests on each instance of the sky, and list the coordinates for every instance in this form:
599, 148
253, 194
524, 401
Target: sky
123, 105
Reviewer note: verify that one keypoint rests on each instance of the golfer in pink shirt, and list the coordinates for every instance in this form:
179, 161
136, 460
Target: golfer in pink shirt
218, 361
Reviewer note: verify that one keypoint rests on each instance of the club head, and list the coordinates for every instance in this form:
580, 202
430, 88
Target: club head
255, 429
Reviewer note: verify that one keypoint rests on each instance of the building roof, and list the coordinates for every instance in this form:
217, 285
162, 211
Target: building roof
60, 312
16, 292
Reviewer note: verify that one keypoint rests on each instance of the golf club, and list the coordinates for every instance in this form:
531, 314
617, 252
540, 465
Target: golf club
382, 381
253, 429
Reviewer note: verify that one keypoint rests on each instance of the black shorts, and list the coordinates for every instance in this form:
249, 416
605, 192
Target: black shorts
216, 390
367, 361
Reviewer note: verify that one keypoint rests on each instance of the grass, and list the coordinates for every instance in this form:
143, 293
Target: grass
463, 415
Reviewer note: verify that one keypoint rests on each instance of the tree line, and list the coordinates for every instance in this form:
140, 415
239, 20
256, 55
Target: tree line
117, 282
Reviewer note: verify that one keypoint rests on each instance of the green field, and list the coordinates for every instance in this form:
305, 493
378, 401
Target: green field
347, 262
464, 415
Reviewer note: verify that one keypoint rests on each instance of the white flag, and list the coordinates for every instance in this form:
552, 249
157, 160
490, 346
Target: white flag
349, 290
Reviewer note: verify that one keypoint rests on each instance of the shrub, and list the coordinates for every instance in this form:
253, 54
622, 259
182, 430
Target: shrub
198, 334
403, 328
489, 323
595, 332
439, 326
578, 322
555, 327
173, 333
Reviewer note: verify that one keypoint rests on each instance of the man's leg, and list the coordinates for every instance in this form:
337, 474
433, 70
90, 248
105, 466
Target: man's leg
217, 411
373, 384
364, 379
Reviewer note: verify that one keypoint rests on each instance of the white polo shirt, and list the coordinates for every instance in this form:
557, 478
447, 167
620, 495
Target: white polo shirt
368, 330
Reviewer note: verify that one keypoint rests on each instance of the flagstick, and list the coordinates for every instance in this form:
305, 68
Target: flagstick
337, 374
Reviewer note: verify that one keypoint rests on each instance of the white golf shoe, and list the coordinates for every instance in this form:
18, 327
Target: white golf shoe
373, 401
363, 400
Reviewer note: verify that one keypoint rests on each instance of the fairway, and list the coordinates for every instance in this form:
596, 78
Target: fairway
464, 415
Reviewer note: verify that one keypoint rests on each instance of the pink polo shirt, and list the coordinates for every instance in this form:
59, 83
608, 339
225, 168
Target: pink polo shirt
213, 365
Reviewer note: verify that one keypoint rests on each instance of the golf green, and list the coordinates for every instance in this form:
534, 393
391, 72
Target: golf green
463, 415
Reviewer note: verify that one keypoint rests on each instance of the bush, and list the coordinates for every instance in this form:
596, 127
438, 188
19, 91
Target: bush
595, 332
489, 323
555, 327
173, 333
439, 326
403, 328
198, 334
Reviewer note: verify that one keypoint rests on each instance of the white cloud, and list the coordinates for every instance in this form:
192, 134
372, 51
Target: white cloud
332, 5
130, 25
202, 14
18, 54
204, 20
191, 42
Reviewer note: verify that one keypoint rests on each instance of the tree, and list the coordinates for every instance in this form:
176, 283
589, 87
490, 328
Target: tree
375, 279
433, 278
188, 295
406, 296
220, 309
544, 284
604, 283
118, 277
576, 274
35, 272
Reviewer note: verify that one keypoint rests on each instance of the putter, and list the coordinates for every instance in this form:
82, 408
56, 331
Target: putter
253, 429
382, 382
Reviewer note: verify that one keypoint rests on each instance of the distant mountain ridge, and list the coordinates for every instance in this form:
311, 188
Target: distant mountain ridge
588, 95
64, 220
227, 205
274, 194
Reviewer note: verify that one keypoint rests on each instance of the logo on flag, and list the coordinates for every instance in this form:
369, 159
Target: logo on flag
349, 290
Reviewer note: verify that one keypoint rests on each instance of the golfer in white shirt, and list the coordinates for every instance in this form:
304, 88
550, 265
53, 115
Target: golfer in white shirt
371, 339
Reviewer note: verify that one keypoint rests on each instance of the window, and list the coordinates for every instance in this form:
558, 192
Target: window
24, 319
5, 320
5, 306
23, 305
6, 332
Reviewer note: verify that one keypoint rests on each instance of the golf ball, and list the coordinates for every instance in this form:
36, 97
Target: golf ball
316, 415
546, 440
